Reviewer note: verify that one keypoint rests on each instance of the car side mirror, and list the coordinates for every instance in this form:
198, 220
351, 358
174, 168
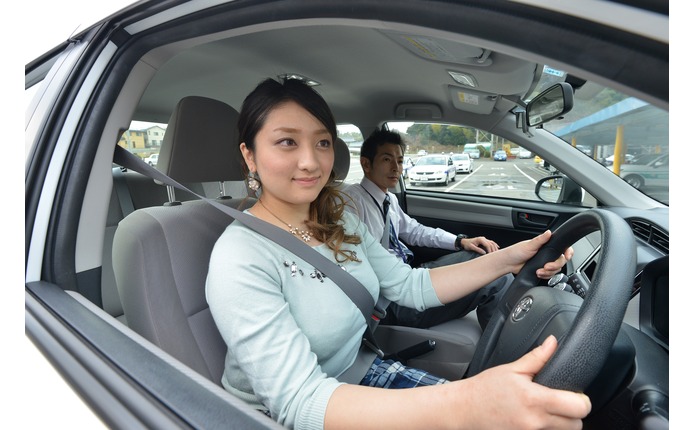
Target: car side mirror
550, 104
559, 189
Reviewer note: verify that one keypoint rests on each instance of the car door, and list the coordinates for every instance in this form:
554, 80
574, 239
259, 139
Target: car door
505, 221
123, 379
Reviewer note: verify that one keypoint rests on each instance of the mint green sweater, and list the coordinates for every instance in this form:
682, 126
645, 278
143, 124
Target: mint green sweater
289, 333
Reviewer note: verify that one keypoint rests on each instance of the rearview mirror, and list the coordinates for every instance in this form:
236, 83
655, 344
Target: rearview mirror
550, 104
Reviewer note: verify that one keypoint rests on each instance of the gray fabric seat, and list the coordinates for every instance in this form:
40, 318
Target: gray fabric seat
341, 162
161, 254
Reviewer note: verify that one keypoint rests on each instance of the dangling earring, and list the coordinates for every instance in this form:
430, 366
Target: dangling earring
253, 181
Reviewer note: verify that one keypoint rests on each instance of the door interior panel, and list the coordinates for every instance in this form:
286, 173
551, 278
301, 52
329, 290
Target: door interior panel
506, 221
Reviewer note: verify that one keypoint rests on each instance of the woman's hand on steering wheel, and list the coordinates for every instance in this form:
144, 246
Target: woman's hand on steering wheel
509, 391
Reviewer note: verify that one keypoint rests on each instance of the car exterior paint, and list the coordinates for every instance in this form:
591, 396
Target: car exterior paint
463, 162
432, 169
500, 155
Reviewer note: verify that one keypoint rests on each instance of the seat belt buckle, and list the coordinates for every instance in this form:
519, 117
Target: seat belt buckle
373, 347
378, 314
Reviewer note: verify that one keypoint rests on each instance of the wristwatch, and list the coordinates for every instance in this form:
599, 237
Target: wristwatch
457, 244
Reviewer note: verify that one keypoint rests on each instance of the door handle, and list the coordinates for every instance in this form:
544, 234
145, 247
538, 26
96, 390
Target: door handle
533, 220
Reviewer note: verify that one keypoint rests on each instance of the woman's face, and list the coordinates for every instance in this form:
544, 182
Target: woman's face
293, 155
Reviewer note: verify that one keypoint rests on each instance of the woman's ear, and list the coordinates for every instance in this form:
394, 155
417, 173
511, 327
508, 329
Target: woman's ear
248, 157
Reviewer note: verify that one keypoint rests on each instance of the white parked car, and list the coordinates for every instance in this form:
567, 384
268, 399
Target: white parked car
433, 169
653, 172
152, 159
474, 153
525, 153
629, 158
463, 162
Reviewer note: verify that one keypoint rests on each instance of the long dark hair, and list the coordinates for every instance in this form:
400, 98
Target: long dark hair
326, 211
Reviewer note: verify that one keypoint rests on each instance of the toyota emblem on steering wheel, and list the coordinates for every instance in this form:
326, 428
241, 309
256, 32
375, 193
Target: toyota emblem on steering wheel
521, 309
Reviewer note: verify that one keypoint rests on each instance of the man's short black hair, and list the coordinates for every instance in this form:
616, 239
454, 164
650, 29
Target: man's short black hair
378, 138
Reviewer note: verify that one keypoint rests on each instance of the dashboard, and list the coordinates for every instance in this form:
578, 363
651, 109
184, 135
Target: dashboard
650, 288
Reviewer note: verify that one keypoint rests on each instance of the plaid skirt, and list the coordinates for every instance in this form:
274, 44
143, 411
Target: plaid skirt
393, 374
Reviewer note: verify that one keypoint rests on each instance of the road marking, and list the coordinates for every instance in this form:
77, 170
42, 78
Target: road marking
465, 178
533, 181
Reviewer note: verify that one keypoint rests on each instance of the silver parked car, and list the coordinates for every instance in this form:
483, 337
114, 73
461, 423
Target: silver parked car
652, 173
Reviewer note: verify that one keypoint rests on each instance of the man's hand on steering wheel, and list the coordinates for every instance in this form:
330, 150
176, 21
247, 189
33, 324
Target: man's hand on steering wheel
528, 248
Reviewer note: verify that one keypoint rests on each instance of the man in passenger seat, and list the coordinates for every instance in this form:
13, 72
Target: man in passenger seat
381, 158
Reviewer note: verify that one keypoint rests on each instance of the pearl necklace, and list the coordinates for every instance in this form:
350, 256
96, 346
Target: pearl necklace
305, 235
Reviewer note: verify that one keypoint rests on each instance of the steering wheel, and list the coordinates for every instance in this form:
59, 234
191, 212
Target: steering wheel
585, 328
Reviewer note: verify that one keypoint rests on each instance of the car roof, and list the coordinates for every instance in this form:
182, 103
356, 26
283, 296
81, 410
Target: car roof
385, 90
344, 57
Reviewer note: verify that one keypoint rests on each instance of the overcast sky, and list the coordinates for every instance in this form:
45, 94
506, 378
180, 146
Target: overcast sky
58, 20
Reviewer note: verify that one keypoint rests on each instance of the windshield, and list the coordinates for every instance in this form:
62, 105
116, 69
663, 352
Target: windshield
623, 133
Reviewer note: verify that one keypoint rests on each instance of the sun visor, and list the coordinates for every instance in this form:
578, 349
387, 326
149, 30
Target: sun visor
469, 100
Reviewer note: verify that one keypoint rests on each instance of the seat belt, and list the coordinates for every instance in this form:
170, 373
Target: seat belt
124, 198
348, 283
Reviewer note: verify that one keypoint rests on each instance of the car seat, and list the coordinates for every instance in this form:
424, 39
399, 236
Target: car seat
341, 162
161, 254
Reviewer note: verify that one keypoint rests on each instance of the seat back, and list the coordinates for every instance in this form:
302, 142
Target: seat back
161, 254
341, 163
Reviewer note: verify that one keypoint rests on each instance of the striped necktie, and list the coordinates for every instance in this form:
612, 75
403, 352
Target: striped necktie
403, 252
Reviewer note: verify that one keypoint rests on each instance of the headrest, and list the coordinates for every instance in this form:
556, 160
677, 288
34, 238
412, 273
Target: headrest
341, 163
201, 142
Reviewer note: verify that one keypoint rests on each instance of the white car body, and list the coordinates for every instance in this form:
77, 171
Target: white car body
525, 153
463, 162
433, 169
152, 159
653, 173
474, 153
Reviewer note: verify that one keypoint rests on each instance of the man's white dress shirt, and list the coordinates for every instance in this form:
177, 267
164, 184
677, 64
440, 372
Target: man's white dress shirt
366, 200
